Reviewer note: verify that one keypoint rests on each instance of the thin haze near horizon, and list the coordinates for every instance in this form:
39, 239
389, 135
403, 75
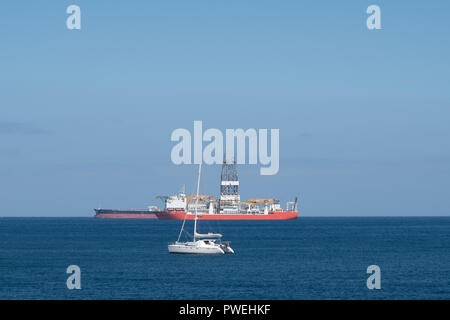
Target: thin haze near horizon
86, 115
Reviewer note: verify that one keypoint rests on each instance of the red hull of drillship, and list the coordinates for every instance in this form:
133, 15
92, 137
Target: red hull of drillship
126, 216
179, 215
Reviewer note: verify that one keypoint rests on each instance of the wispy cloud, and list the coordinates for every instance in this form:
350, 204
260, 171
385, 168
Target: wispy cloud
20, 128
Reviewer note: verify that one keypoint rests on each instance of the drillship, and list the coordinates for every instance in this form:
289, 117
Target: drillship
227, 207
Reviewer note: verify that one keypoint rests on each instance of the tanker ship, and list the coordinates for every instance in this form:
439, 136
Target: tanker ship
227, 207
126, 214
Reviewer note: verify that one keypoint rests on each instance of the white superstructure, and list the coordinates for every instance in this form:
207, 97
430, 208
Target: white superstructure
175, 203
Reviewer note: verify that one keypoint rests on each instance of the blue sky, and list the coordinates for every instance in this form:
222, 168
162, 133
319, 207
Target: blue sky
86, 115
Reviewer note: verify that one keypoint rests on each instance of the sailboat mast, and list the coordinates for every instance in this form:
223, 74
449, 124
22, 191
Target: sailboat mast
196, 199
185, 215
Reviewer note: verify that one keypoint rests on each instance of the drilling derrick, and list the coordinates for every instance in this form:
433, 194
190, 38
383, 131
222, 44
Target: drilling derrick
229, 188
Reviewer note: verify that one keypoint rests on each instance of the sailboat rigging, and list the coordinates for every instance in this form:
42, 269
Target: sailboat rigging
209, 243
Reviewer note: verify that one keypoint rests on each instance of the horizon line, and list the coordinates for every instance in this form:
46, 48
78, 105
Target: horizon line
337, 216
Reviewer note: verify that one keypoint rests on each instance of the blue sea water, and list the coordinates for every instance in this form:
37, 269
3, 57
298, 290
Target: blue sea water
309, 258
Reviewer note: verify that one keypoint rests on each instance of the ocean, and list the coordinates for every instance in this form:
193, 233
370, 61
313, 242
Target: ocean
308, 258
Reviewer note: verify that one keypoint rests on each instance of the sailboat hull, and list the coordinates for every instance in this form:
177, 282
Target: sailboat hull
195, 248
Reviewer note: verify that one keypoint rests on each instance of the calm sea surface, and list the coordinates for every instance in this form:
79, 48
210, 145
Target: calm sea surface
310, 258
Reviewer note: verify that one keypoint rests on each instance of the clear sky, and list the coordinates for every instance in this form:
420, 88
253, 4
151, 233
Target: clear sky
86, 115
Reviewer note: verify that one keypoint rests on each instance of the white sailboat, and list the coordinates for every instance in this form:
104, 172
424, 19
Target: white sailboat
209, 243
